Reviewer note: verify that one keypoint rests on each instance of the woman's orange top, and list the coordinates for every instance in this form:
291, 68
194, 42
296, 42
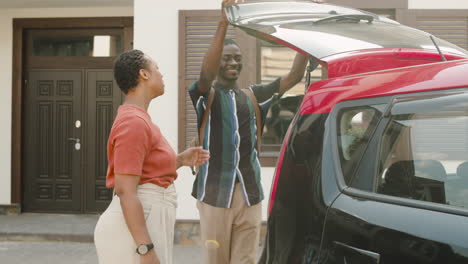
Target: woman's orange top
137, 147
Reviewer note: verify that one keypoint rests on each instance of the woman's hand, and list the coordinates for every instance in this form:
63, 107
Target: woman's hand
149, 258
196, 156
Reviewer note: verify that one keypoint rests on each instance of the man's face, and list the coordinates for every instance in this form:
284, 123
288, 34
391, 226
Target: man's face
231, 63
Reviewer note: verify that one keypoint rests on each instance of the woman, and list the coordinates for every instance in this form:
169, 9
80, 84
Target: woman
138, 225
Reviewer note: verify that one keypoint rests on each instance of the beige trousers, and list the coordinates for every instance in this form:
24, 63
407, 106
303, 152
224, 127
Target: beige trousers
230, 235
114, 242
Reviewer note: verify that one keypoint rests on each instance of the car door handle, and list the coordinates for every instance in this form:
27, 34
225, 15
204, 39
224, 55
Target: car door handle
371, 257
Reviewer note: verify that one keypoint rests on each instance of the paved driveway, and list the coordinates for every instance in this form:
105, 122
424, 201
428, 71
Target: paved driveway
72, 253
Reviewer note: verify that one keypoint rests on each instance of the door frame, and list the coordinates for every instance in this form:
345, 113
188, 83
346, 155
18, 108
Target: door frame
19, 27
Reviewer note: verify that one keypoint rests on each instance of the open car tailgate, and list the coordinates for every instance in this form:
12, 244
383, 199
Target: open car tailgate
322, 30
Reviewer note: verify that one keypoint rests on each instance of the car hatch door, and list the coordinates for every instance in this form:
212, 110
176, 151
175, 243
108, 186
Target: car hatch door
322, 30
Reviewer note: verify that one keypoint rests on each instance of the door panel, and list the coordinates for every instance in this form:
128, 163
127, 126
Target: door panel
103, 99
397, 233
50, 160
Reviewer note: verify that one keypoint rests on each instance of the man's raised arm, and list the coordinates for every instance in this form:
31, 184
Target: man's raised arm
295, 75
210, 65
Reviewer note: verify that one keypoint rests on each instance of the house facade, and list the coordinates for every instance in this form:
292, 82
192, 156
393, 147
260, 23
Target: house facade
59, 96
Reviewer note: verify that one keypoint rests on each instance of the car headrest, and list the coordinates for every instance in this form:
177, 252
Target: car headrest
462, 170
397, 179
430, 169
401, 175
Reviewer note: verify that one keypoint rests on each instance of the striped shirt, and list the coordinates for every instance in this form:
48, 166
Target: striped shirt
231, 138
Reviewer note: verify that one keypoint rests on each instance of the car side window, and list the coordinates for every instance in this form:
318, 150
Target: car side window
424, 155
355, 127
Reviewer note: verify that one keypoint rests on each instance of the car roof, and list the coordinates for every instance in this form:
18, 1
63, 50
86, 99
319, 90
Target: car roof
322, 96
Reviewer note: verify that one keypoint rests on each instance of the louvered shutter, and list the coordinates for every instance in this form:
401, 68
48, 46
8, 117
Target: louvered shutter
451, 28
197, 31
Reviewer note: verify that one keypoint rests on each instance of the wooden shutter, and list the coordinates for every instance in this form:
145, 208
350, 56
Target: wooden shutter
450, 25
197, 29
453, 28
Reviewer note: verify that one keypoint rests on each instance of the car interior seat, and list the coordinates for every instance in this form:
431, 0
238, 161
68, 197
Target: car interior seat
459, 188
415, 179
430, 169
398, 179
429, 181
462, 171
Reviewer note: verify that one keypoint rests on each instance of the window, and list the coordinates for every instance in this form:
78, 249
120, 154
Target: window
355, 128
76, 42
424, 151
276, 61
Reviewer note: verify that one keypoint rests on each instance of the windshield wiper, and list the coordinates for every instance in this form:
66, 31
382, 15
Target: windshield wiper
338, 18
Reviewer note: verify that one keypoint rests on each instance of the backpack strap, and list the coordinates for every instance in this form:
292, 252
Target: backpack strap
258, 116
206, 114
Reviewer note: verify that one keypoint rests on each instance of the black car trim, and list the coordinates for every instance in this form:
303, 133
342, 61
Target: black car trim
408, 98
329, 123
374, 143
371, 141
362, 102
383, 123
344, 188
405, 202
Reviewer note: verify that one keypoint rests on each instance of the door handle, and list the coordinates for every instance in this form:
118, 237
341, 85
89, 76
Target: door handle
364, 256
77, 140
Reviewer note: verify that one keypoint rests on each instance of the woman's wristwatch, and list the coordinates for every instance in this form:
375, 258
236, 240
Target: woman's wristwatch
144, 248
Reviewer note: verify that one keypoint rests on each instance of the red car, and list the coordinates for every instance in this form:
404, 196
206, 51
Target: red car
374, 166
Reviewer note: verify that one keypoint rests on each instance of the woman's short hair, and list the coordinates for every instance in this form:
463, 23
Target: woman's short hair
127, 67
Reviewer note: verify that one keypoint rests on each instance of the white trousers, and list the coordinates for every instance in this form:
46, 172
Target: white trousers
114, 242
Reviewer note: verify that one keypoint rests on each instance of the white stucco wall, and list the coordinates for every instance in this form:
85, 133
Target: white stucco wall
156, 33
6, 43
437, 4
5, 108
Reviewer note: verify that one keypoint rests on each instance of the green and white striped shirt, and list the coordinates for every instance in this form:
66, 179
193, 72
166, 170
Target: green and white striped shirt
231, 138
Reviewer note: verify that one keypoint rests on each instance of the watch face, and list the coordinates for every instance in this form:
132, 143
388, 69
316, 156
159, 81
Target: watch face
143, 249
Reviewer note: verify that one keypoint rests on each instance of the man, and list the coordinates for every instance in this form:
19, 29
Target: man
228, 187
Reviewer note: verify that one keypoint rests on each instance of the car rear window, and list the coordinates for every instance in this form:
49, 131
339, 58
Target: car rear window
424, 151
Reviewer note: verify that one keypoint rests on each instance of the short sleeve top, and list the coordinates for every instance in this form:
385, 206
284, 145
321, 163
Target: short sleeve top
137, 147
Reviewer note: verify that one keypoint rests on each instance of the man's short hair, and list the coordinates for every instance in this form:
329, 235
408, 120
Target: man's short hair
230, 42
127, 67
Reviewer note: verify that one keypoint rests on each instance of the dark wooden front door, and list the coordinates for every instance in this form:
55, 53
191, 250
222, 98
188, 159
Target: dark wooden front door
51, 161
70, 100
68, 117
103, 99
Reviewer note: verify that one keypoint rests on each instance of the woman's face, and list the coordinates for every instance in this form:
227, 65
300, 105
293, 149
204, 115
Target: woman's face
155, 79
